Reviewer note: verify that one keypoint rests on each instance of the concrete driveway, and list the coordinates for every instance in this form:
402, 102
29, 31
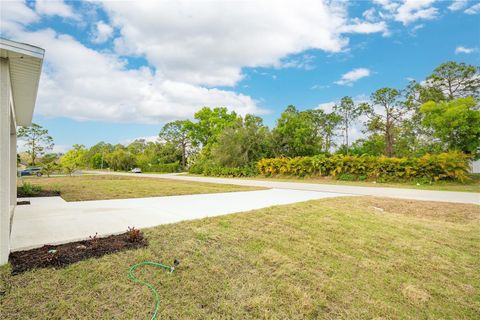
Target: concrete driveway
52, 220
399, 193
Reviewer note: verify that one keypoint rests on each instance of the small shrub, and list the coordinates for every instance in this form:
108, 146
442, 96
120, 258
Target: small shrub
93, 240
28, 189
134, 235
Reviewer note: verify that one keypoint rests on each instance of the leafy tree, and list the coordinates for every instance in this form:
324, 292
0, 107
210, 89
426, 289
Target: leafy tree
168, 153
448, 81
456, 123
417, 94
296, 134
456, 80
373, 145
97, 161
121, 159
49, 163
413, 137
49, 167
385, 115
37, 140
138, 146
349, 112
97, 155
74, 158
178, 132
210, 123
243, 144
50, 157
326, 125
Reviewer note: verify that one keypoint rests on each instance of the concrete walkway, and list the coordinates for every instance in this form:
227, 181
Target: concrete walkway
53, 221
412, 194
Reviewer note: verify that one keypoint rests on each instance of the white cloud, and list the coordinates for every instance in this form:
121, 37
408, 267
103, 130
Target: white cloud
415, 28
319, 87
146, 138
370, 14
84, 84
15, 16
60, 148
462, 49
55, 8
387, 5
244, 34
305, 62
358, 26
190, 47
457, 5
406, 11
327, 106
473, 9
102, 32
413, 10
350, 77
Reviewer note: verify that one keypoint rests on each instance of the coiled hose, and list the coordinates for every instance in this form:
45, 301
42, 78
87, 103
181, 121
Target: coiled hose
131, 276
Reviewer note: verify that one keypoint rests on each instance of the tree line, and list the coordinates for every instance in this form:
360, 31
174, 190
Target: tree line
436, 115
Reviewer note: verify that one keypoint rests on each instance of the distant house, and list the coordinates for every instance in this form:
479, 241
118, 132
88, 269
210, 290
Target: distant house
20, 68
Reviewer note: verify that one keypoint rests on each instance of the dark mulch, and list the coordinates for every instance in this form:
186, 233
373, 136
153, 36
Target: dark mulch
41, 193
66, 254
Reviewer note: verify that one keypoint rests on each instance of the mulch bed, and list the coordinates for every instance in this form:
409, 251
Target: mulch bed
41, 193
65, 254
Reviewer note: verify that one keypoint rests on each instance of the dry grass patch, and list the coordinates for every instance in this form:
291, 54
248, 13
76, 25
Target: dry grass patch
102, 187
325, 259
438, 211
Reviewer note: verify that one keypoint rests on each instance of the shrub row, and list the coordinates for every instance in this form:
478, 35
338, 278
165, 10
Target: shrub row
432, 167
165, 168
211, 169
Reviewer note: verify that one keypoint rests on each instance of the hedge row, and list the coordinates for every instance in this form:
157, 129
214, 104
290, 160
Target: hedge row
210, 169
432, 167
165, 168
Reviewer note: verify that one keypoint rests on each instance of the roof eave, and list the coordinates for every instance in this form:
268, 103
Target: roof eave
25, 62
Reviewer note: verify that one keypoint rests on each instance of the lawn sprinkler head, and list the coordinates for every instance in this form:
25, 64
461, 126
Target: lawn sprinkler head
175, 264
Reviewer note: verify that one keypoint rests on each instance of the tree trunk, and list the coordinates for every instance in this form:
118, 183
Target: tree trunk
184, 160
388, 134
346, 135
388, 143
33, 152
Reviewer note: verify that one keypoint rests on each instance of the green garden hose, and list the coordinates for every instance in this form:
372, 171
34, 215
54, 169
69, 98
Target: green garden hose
131, 276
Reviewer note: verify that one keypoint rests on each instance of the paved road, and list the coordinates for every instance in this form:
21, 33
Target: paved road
52, 220
413, 194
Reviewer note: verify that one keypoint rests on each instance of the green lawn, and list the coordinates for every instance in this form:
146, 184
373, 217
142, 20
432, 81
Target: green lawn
99, 187
472, 185
348, 258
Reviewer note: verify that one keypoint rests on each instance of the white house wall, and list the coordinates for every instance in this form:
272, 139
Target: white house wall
5, 160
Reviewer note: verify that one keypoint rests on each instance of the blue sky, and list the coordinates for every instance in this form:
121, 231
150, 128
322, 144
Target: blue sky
115, 71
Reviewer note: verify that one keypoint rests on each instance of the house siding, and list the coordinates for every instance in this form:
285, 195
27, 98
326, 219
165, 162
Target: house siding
6, 205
